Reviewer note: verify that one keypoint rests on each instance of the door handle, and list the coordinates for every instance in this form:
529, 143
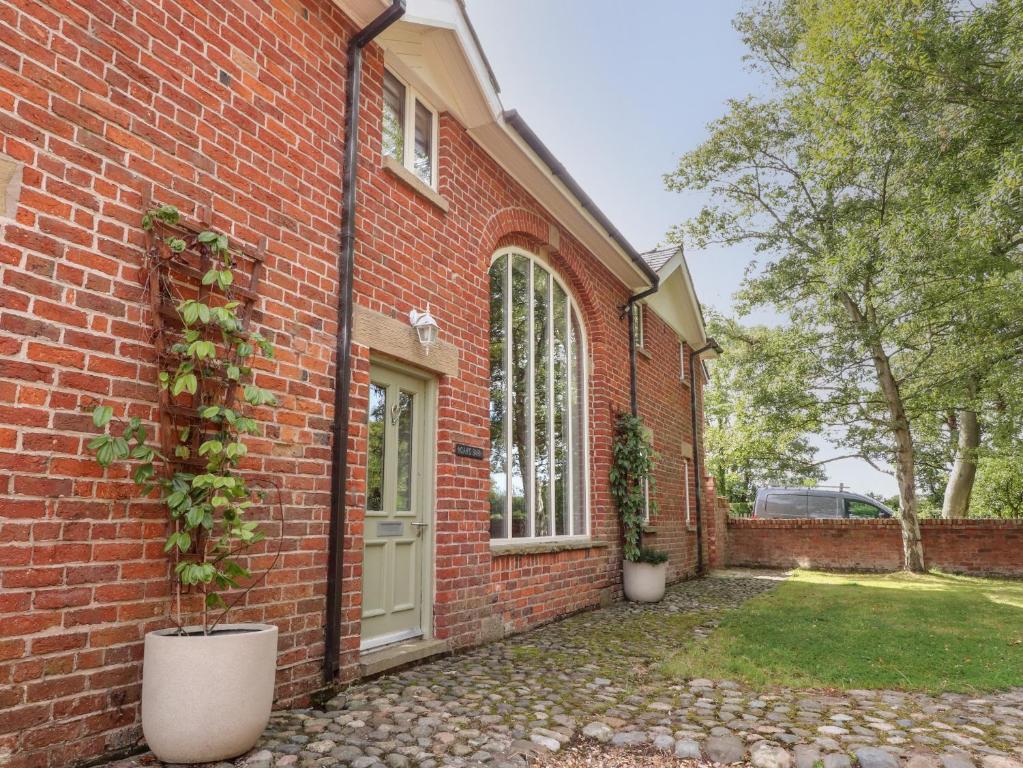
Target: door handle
419, 527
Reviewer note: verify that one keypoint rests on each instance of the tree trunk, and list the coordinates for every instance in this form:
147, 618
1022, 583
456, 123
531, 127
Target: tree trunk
905, 466
905, 452
964, 471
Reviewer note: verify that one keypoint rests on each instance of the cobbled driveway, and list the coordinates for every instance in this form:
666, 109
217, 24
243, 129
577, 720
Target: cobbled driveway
594, 676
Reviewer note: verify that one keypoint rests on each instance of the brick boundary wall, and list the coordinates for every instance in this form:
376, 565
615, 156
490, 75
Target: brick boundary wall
992, 547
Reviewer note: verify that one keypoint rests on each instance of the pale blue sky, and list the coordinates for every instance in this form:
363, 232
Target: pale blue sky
618, 90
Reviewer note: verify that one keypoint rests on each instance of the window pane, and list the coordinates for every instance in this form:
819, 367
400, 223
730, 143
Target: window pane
375, 460
394, 118
520, 427
537, 429
424, 143
498, 392
541, 433
822, 506
578, 426
861, 509
559, 307
405, 417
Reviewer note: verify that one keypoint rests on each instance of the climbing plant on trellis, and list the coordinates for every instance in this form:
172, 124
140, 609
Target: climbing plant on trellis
202, 293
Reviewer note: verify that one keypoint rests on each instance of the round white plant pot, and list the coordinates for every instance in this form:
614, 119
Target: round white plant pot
207, 697
643, 582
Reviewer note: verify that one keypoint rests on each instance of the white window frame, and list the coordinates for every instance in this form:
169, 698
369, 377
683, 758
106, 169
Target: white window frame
682, 361
686, 461
572, 308
409, 130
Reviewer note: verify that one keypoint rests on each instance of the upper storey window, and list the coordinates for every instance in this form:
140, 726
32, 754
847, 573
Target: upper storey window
410, 129
538, 482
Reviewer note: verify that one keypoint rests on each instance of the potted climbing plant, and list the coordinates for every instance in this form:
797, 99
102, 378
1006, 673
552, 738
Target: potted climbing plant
644, 570
207, 686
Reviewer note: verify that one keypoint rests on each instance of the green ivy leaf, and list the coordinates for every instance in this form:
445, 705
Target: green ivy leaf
143, 473
214, 447
101, 415
105, 454
189, 311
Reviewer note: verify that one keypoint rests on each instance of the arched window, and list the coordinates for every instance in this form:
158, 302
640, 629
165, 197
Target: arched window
538, 483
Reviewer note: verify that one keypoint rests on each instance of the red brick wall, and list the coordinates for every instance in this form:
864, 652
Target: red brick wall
958, 546
717, 530
532, 589
99, 99
665, 406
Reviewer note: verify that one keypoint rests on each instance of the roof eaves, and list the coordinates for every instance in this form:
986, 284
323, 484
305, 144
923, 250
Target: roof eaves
513, 119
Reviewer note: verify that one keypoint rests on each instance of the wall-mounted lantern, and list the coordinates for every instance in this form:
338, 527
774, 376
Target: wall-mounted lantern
426, 327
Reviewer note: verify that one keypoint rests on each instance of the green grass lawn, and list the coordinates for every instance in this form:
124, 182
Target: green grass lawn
928, 632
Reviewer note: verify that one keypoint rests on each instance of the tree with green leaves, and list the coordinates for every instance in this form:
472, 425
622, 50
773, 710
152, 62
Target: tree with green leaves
880, 179
759, 414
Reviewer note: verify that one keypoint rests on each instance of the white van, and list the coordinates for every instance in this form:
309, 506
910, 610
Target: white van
816, 503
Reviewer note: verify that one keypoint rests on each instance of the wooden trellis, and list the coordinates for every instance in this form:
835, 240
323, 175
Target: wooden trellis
175, 276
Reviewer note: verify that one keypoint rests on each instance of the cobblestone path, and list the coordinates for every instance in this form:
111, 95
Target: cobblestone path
595, 677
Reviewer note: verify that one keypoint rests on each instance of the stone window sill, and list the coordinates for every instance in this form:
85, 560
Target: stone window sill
644, 352
416, 184
544, 547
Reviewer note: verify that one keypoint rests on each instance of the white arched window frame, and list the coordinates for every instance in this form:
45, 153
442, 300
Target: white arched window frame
539, 520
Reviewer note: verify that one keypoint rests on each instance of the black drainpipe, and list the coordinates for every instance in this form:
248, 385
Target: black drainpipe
626, 311
711, 344
343, 351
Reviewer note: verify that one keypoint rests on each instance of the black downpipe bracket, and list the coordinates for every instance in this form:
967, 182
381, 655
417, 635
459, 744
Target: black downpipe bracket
343, 351
693, 356
627, 311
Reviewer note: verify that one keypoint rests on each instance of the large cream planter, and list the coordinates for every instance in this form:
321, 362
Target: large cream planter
207, 697
643, 582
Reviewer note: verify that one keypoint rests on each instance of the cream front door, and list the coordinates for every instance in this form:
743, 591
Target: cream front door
396, 534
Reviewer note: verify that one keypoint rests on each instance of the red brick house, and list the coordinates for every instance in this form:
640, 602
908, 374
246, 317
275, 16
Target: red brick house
471, 499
